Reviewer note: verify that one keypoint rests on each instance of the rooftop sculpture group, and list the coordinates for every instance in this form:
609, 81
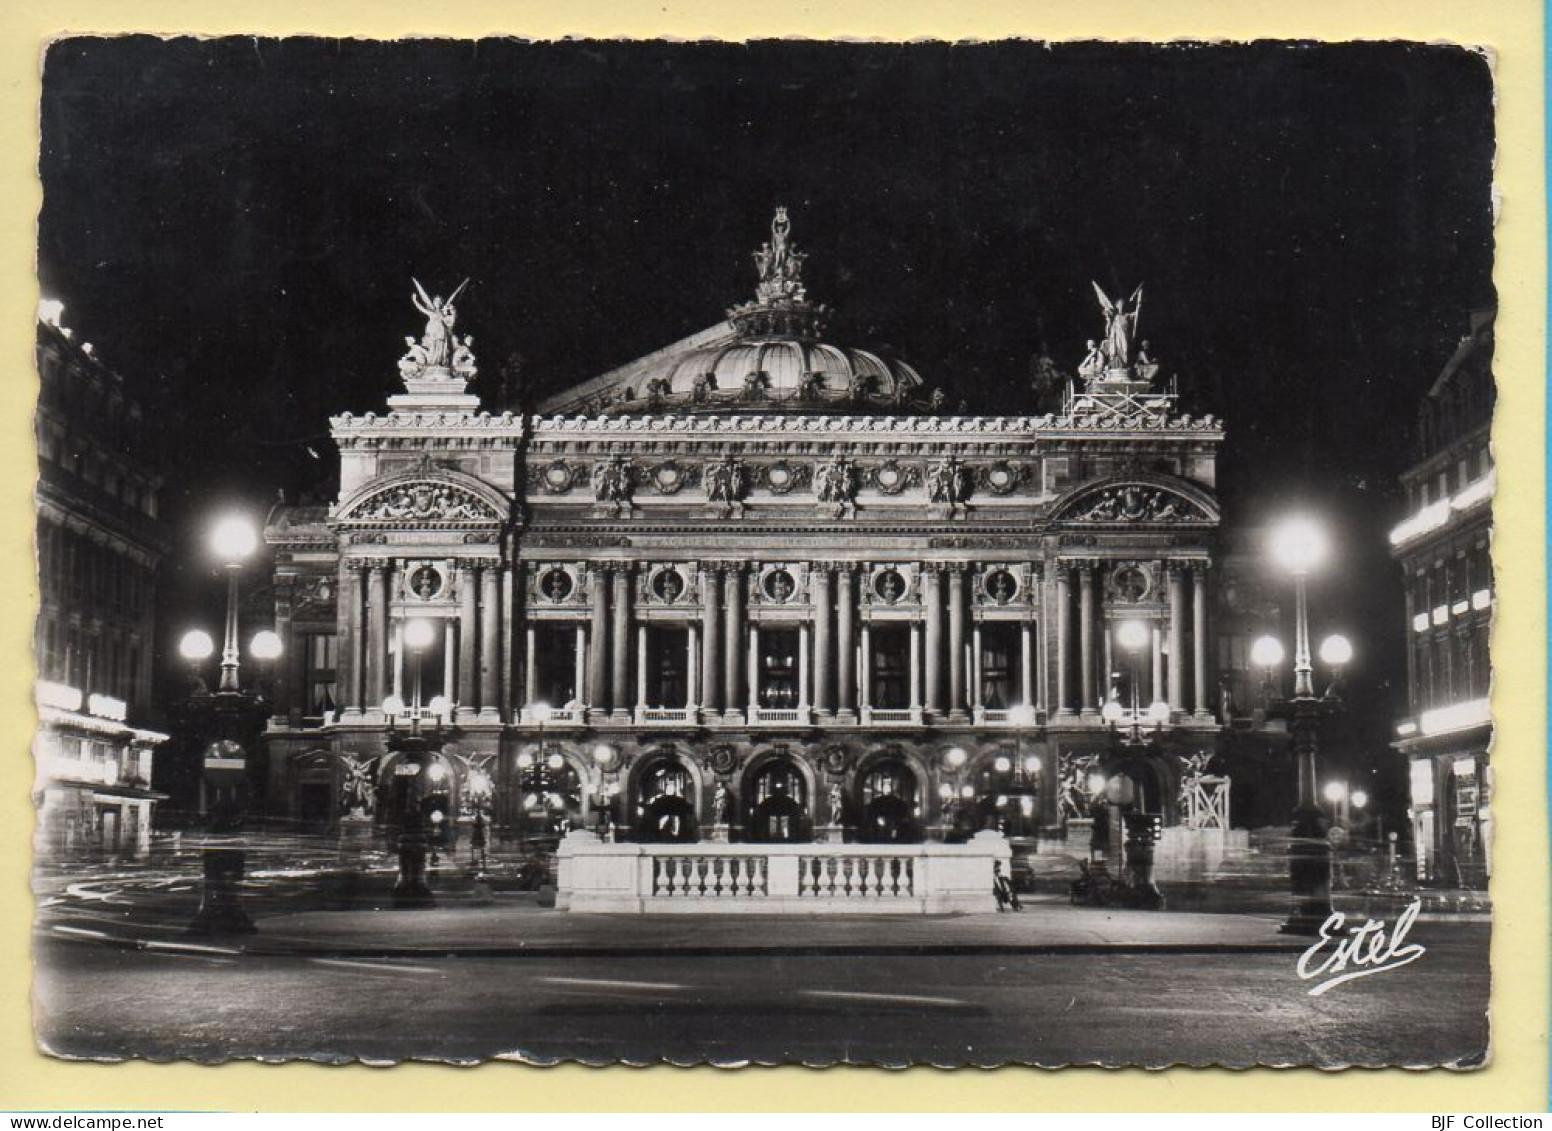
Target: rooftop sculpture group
440, 353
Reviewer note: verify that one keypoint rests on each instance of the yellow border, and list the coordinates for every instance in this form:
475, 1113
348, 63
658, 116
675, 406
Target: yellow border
1518, 1078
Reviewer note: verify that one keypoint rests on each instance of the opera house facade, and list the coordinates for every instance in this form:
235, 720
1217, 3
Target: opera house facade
759, 586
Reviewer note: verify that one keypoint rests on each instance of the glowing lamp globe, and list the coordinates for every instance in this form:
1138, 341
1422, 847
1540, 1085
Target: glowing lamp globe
265, 645
540, 712
437, 772
1022, 716
1132, 634
1360, 799
1032, 764
956, 757
1335, 651
967, 792
440, 706
233, 539
1002, 765
196, 645
418, 634
1158, 712
1112, 711
1266, 652
524, 760
603, 755
393, 705
946, 791
1335, 791
555, 761
1299, 545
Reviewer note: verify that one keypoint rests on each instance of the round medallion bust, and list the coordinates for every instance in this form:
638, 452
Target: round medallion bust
667, 585
426, 583
779, 586
1001, 586
889, 584
555, 584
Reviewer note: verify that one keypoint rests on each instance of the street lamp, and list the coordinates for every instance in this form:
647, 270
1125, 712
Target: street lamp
1299, 545
411, 888
233, 541
224, 722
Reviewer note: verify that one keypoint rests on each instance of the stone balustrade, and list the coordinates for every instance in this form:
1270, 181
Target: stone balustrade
794, 879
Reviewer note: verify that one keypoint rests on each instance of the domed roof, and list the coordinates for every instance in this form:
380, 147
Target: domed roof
769, 355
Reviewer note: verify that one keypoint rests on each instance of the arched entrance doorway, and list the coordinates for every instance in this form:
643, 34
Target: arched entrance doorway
777, 804
664, 809
890, 803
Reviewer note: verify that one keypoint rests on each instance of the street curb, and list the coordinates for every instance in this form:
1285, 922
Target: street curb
212, 945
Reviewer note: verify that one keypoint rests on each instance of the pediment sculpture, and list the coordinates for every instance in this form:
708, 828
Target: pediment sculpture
425, 502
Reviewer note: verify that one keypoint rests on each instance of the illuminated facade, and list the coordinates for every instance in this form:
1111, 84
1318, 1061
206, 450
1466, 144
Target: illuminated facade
98, 551
1444, 547
759, 585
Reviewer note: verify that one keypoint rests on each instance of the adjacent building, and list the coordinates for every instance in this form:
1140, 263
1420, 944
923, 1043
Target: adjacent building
762, 585
1444, 549
99, 547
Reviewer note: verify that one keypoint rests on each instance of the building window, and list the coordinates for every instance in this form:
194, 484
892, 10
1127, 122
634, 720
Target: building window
891, 667
321, 652
555, 663
1000, 648
667, 653
778, 673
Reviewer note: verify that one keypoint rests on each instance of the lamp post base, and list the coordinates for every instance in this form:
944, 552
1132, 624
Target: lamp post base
220, 906
1309, 874
411, 889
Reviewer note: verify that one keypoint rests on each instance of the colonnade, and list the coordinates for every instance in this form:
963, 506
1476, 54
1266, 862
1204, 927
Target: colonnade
371, 652
1083, 646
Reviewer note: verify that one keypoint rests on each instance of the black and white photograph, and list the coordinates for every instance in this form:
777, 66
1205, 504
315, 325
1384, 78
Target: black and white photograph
787, 552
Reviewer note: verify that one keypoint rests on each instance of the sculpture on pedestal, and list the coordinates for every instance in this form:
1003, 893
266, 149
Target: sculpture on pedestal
439, 351
1120, 327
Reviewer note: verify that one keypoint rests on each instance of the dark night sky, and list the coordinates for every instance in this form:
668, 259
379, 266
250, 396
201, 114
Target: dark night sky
234, 223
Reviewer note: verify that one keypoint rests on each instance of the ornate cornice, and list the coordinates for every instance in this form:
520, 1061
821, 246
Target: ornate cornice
882, 427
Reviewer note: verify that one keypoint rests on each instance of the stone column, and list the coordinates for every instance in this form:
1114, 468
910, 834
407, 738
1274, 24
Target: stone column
977, 699
692, 666
284, 698
1063, 639
530, 663
712, 675
619, 646
1199, 641
846, 643
1041, 634
1177, 637
468, 635
1156, 683
932, 594
356, 652
916, 666
1026, 661
490, 643
1086, 636
865, 668
956, 642
396, 650
507, 656
597, 696
449, 652
641, 669
579, 665
804, 695
736, 696
753, 687
377, 635
824, 643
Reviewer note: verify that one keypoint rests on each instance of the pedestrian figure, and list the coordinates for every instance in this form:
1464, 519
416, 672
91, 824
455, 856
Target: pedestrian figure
1003, 891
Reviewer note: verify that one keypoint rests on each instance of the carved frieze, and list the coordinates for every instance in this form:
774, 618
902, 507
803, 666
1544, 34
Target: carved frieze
424, 502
